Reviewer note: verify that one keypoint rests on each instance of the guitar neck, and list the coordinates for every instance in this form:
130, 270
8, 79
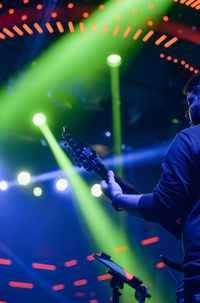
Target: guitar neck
127, 188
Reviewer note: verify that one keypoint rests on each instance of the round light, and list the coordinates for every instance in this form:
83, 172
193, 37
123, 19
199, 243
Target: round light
114, 60
39, 119
24, 178
37, 191
3, 185
61, 184
96, 190
108, 134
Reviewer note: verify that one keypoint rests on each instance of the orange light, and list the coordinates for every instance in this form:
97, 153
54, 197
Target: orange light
2, 36
175, 60
70, 5
162, 56
116, 30
118, 249
71, 27
189, 2
39, 6
104, 277
147, 36
150, 23
60, 27
82, 28
49, 27
54, 15
70, 263
26, 1
186, 65
11, 11
170, 42
160, 265
127, 31
134, 11
197, 7
58, 287
27, 28
8, 32
161, 39
150, 241
43, 266
183, 62
182, 1
196, 71
80, 282
3, 302
5, 261
191, 69
94, 27
137, 34
20, 284
24, 17
90, 258
150, 6
169, 58
18, 30
38, 28
105, 28
165, 18
85, 15
1, 5
195, 3
101, 6
117, 17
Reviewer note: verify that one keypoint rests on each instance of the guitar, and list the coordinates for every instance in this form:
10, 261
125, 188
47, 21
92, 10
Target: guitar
86, 157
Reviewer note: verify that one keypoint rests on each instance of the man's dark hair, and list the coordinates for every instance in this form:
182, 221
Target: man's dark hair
192, 82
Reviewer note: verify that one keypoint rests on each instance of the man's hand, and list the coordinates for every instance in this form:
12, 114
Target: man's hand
112, 188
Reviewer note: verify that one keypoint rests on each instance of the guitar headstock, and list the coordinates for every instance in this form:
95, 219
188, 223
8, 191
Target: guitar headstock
82, 154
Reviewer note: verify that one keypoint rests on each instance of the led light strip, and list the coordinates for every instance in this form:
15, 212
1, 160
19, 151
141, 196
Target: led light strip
190, 3
182, 62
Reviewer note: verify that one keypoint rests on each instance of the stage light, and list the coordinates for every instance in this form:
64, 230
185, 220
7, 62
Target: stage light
39, 119
61, 184
3, 185
96, 190
37, 191
108, 134
114, 60
24, 178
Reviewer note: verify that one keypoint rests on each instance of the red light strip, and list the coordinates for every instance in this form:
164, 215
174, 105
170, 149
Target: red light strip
93, 27
118, 249
150, 241
148, 35
104, 277
2, 36
127, 31
38, 28
116, 30
71, 27
5, 261
90, 258
161, 39
197, 7
18, 30
58, 287
3, 302
82, 28
137, 34
80, 282
60, 27
8, 32
105, 28
182, 62
170, 42
21, 284
49, 27
183, 1
43, 266
189, 2
27, 29
195, 3
160, 265
79, 294
70, 263
93, 301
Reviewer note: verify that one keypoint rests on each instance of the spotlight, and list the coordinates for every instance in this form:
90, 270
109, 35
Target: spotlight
61, 184
39, 119
114, 60
3, 185
24, 178
108, 134
96, 190
37, 191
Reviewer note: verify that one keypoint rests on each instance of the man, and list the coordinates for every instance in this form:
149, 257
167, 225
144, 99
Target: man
175, 202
